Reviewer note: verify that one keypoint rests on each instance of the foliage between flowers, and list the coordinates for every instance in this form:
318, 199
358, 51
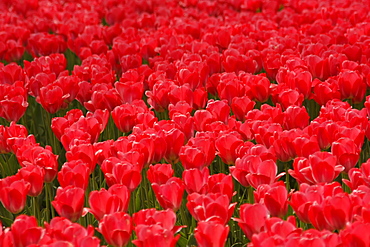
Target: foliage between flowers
184, 123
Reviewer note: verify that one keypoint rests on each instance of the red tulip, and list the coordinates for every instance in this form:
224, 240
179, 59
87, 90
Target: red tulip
352, 85
69, 202
26, 232
301, 201
124, 117
121, 172
158, 97
199, 152
175, 139
321, 167
129, 90
241, 106
325, 91
13, 193
220, 110
230, 87
42, 157
154, 235
195, 180
76, 173
104, 202
169, 195
13, 99
305, 146
296, 117
221, 183
226, 146
61, 230
34, 175
103, 150
51, 97
262, 172
104, 98
347, 152
338, 210
356, 234
165, 218
211, 234
116, 228
160, 173
202, 120
83, 152
210, 207
274, 197
252, 218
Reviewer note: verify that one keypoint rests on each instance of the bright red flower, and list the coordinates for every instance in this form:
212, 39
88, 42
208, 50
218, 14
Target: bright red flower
210, 207
42, 157
69, 202
116, 228
352, 85
129, 90
175, 139
62, 230
356, 234
296, 117
51, 98
13, 193
211, 234
169, 195
252, 218
124, 117
26, 232
121, 172
227, 145
241, 106
13, 100
199, 152
274, 197
104, 202
347, 152
160, 173
84, 152
76, 173
195, 180
34, 175
154, 235
221, 183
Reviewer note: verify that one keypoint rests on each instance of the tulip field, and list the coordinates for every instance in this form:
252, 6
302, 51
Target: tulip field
163, 123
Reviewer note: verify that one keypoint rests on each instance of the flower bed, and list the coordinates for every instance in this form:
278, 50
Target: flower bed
184, 123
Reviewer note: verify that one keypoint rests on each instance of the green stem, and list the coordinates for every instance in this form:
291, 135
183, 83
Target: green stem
250, 195
36, 209
49, 199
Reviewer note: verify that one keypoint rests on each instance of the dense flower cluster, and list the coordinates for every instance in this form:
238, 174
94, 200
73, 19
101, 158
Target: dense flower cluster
175, 123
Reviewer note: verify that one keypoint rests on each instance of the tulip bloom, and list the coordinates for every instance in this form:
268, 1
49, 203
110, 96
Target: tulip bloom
69, 202
210, 207
252, 218
115, 199
169, 195
116, 228
211, 234
13, 193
